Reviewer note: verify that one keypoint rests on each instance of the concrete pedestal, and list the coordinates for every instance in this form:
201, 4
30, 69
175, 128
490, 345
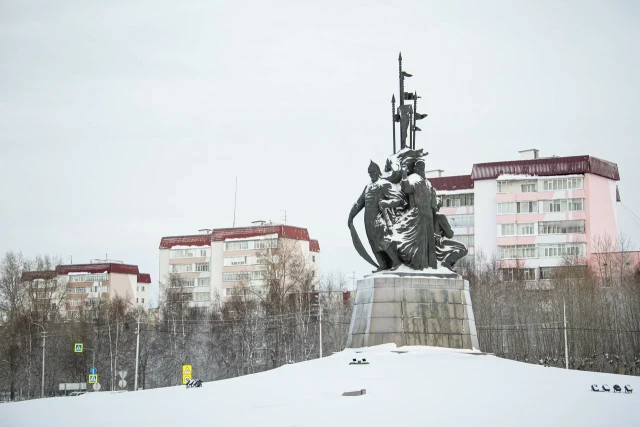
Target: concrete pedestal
413, 310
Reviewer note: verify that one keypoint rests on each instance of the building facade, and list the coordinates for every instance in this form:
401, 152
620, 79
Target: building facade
69, 289
215, 262
534, 212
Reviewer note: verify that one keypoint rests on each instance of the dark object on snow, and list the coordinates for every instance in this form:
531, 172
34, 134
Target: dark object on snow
355, 393
194, 383
616, 388
628, 389
605, 387
364, 360
594, 387
359, 362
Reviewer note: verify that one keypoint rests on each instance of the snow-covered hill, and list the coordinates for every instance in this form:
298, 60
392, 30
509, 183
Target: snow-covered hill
423, 386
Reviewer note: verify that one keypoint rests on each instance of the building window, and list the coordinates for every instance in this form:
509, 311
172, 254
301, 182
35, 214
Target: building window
511, 274
183, 253
201, 296
547, 272
506, 208
508, 230
143, 289
517, 251
527, 207
102, 277
525, 229
563, 184
241, 276
242, 245
466, 239
465, 220
137, 300
561, 227
528, 188
457, 200
562, 205
313, 258
562, 249
205, 281
142, 300
204, 252
236, 260
80, 290
203, 266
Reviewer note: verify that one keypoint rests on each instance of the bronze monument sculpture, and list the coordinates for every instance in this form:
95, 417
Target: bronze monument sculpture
413, 297
401, 216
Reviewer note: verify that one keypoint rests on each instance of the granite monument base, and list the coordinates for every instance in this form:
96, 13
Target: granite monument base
413, 310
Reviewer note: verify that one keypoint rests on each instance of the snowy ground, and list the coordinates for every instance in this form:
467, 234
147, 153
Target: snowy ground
425, 386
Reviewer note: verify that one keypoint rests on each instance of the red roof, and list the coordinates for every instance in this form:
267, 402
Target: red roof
547, 167
284, 231
450, 183
144, 278
314, 246
222, 234
28, 276
195, 240
97, 268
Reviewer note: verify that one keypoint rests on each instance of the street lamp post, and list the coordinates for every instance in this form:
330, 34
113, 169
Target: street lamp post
135, 381
44, 340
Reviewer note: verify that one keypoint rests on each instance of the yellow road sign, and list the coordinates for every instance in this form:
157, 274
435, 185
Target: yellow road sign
186, 378
187, 369
78, 347
93, 378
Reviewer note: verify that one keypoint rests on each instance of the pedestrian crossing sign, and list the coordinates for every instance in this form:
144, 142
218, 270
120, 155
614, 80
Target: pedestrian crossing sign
187, 369
93, 378
186, 378
77, 348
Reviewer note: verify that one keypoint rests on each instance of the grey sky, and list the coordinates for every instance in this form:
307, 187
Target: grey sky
122, 122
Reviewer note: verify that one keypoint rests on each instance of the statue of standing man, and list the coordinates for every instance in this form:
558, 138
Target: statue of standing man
376, 220
416, 240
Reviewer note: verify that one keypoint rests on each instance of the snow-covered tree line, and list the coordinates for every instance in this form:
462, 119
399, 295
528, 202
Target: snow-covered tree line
524, 320
255, 330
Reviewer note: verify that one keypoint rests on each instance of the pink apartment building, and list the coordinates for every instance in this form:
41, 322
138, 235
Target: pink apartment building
80, 285
533, 212
214, 262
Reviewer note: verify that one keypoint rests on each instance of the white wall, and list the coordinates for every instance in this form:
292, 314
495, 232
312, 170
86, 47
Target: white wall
485, 217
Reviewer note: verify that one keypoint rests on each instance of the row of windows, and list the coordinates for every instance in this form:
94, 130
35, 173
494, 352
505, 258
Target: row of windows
179, 283
101, 277
564, 205
510, 274
466, 239
457, 200
238, 290
189, 253
465, 220
140, 288
140, 300
242, 245
542, 251
542, 185
242, 276
186, 268
545, 227
87, 289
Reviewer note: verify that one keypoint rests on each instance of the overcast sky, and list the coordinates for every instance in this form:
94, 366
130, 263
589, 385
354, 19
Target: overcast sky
122, 122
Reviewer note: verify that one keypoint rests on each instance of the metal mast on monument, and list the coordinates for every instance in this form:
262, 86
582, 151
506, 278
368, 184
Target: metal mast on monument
406, 115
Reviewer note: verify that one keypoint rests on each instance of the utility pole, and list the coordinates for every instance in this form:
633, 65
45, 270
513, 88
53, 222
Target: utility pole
320, 328
44, 340
566, 346
135, 381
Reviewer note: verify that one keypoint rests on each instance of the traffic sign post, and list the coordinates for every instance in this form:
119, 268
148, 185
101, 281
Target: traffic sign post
93, 371
187, 373
122, 383
97, 387
93, 378
78, 347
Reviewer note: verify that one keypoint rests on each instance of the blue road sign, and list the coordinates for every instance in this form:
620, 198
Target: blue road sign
93, 371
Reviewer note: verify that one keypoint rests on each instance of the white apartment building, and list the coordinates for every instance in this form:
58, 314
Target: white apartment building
215, 262
533, 212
